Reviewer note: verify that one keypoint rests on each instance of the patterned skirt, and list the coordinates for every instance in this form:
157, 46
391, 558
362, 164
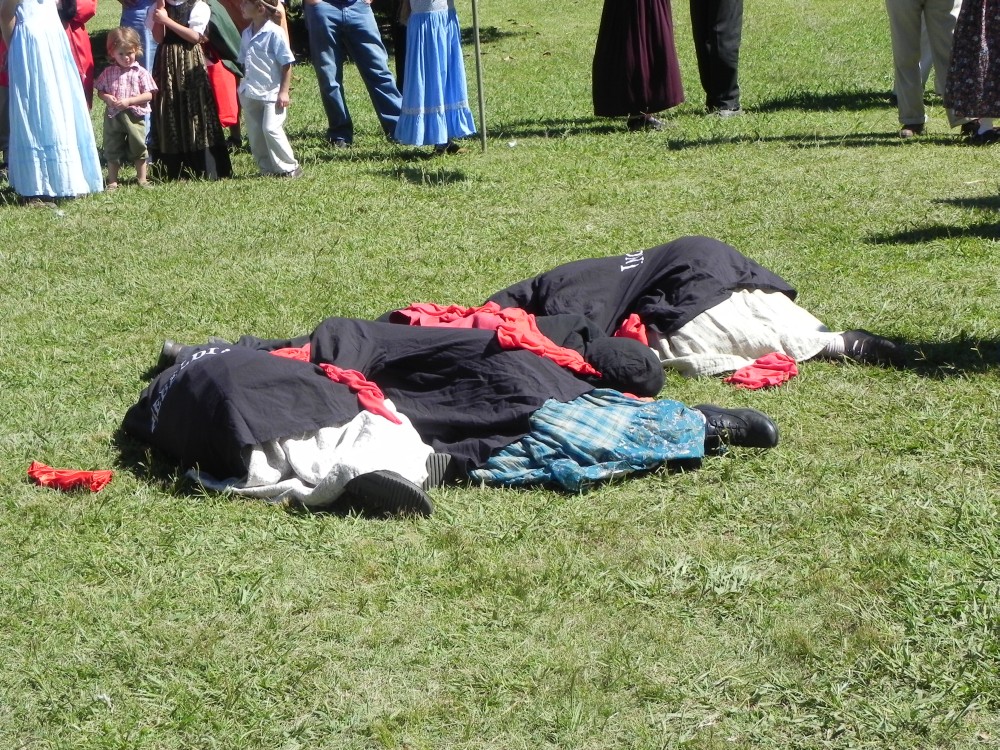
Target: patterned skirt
187, 119
973, 88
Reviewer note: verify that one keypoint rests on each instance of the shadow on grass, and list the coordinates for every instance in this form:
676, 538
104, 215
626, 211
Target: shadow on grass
986, 231
433, 174
555, 128
805, 140
987, 202
943, 359
849, 101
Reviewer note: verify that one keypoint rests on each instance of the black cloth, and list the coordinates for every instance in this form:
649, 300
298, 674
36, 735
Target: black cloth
717, 27
464, 394
667, 286
205, 410
635, 67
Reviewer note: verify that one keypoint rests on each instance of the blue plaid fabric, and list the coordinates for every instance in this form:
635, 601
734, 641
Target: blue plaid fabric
600, 435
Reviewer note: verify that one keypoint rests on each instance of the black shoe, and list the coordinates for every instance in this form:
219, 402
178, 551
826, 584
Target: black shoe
985, 139
644, 122
868, 349
169, 353
748, 428
385, 493
970, 129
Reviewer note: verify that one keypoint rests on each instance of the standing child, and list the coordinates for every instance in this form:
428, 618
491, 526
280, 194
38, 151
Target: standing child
127, 89
267, 74
435, 98
52, 149
185, 116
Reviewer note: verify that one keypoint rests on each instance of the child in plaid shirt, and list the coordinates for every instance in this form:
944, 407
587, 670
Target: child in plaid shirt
127, 89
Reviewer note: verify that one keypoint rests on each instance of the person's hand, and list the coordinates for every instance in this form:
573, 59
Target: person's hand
283, 100
160, 12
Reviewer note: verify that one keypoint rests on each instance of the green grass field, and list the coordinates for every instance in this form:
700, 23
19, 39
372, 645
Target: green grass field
838, 591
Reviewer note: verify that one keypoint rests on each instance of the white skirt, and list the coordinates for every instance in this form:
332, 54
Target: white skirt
734, 333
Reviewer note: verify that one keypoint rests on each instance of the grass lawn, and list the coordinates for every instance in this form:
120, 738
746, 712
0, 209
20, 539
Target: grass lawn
838, 591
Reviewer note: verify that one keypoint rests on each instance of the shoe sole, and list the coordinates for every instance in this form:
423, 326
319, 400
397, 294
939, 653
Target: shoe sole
382, 494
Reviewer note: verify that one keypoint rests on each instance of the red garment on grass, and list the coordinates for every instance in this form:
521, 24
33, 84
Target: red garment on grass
370, 396
515, 329
633, 328
68, 479
767, 371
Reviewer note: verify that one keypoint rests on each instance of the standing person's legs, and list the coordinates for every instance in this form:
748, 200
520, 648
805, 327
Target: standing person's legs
324, 23
717, 27
904, 28
278, 147
253, 119
369, 54
940, 17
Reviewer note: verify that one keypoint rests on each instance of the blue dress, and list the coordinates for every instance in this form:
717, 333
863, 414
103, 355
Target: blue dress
52, 149
435, 98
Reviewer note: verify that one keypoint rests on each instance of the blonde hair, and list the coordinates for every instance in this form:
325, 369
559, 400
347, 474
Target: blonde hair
124, 38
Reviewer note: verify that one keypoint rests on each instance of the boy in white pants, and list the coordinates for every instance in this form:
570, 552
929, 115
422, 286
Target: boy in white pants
264, 91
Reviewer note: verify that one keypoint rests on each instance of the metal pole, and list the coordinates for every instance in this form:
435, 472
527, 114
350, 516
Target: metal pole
479, 74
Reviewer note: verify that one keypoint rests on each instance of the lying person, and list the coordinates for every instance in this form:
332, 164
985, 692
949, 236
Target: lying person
702, 306
235, 413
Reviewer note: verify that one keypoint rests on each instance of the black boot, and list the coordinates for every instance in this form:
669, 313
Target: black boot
748, 428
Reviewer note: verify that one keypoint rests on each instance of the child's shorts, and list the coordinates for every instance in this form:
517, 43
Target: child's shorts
125, 137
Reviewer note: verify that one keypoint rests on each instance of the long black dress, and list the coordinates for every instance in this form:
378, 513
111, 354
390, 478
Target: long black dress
635, 63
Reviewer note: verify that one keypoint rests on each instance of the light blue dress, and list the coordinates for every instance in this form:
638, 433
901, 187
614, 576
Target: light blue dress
435, 96
52, 148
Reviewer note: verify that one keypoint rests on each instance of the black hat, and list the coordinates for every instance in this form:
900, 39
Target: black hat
625, 365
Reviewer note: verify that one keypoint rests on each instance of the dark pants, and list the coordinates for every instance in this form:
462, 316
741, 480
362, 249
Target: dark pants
718, 29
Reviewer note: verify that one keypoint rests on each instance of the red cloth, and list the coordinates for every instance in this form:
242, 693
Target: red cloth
4, 81
515, 329
370, 396
633, 328
224, 90
767, 371
68, 479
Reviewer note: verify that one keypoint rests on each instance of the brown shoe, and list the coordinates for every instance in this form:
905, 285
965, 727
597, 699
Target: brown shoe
911, 131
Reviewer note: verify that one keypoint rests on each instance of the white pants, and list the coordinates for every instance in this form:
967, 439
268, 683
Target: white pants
905, 18
265, 125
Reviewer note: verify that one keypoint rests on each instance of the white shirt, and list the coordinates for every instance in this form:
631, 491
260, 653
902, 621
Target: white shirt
262, 55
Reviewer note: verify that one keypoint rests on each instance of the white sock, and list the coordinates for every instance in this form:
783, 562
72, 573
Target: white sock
834, 347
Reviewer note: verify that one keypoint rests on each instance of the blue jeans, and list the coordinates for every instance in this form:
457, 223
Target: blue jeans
334, 31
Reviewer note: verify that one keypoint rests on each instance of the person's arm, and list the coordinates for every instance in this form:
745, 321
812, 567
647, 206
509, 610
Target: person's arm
284, 96
162, 22
134, 101
67, 9
7, 10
